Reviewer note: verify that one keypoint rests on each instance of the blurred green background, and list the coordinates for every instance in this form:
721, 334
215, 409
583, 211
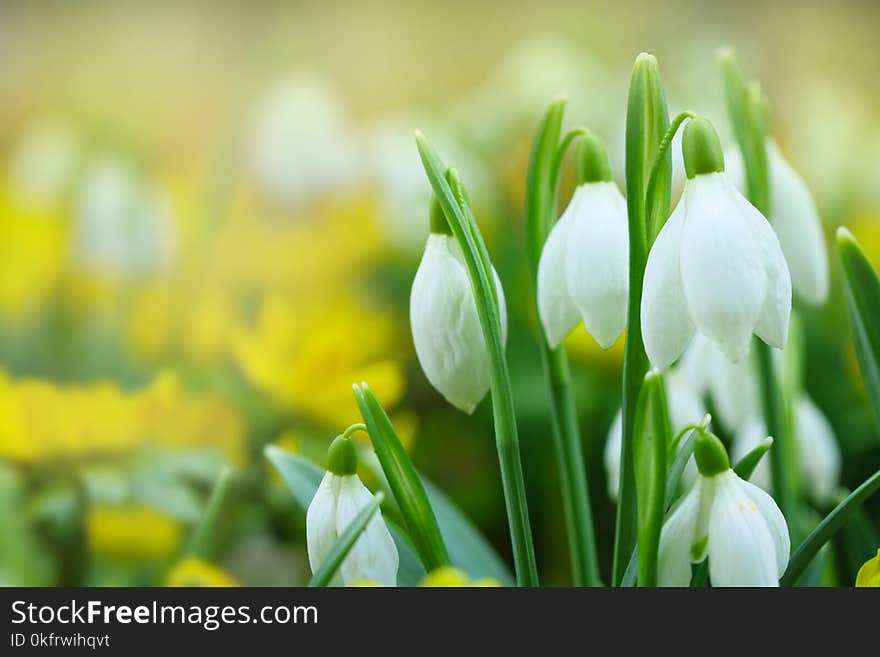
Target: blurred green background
210, 217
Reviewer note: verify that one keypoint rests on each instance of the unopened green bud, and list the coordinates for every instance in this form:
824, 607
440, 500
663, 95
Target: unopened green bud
342, 456
710, 454
591, 160
701, 148
439, 224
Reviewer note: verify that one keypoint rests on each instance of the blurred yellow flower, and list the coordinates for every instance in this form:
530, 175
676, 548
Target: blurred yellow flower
192, 571
137, 533
448, 576
32, 255
310, 360
41, 420
869, 573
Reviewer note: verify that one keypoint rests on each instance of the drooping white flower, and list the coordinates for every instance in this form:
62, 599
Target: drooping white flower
732, 387
124, 223
685, 407
584, 266
446, 330
733, 522
817, 450
795, 220
715, 267
302, 141
338, 500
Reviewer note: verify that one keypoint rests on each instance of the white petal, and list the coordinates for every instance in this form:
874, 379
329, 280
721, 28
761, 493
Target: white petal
796, 223
818, 452
682, 538
558, 312
742, 547
446, 329
597, 261
723, 272
374, 555
733, 388
775, 523
321, 523
666, 323
612, 456
746, 439
772, 324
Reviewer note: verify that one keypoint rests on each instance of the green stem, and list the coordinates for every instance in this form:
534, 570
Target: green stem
826, 529
452, 199
202, 544
541, 199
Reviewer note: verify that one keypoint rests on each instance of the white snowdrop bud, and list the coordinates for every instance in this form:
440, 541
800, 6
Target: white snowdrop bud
716, 265
338, 500
445, 326
583, 271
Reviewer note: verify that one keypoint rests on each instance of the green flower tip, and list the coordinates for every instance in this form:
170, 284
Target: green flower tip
591, 160
646, 59
342, 456
845, 238
710, 454
439, 224
726, 54
701, 148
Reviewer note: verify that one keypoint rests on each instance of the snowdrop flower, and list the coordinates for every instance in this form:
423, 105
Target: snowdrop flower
732, 522
443, 316
795, 220
733, 387
339, 498
817, 450
716, 265
584, 267
124, 224
685, 407
301, 141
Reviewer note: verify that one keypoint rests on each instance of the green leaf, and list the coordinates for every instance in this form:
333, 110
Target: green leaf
345, 543
651, 441
747, 464
647, 120
540, 191
827, 528
453, 199
403, 480
303, 477
863, 299
204, 539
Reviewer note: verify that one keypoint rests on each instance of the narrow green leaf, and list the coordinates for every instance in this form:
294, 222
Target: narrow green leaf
303, 477
345, 543
651, 440
682, 455
540, 195
655, 193
452, 198
863, 299
747, 464
202, 544
827, 528
647, 120
407, 488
